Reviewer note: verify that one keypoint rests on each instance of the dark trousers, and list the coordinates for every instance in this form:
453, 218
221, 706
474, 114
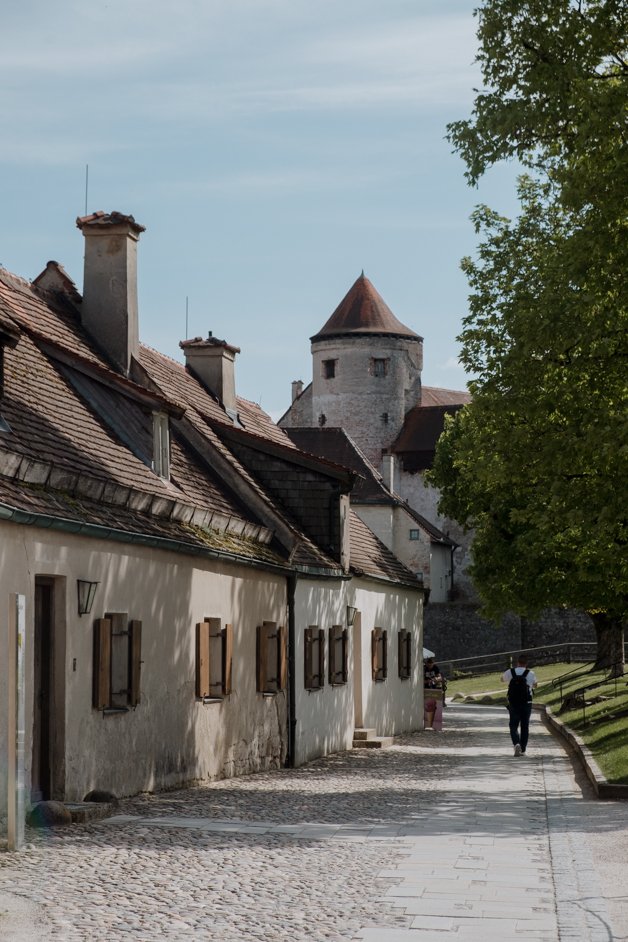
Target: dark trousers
520, 723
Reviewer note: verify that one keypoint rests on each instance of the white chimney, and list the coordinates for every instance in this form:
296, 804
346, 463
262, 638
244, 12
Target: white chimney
389, 471
212, 361
297, 388
109, 307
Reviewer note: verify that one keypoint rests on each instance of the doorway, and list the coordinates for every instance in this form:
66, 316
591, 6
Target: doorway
43, 641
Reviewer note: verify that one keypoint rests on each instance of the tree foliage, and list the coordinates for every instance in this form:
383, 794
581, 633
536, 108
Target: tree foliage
538, 463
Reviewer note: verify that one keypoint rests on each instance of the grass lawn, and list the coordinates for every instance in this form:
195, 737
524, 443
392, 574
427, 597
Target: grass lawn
603, 726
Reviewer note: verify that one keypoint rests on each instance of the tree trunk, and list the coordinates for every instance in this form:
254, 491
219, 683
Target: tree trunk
610, 643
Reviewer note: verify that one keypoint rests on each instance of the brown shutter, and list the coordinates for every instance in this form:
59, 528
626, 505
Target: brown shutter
374, 652
332, 655
215, 675
227, 654
308, 680
202, 659
283, 657
135, 661
102, 664
261, 658
321, 657
384, 655
345, 655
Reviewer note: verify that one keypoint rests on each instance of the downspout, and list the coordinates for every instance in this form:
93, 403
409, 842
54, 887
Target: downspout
292, 719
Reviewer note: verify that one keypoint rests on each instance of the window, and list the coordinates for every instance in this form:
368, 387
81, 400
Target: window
379, 654
379, 367
329, 369
322, 419
405, 654
272, 663
338, 655
214, 657
415, 534
117, 662
384, 418
314, 658
161, 445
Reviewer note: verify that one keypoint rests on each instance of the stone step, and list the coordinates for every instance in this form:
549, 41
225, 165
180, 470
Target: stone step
375, 742
364, 733
84, 811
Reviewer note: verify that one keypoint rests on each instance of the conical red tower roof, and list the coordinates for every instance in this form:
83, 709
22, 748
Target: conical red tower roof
363, 311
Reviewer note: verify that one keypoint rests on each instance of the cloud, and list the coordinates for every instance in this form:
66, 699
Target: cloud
452, 363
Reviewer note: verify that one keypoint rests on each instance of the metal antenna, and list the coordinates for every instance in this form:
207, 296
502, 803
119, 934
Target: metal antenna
186, 318
86, 185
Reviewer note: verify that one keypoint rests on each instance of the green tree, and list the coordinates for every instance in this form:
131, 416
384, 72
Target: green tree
538, 463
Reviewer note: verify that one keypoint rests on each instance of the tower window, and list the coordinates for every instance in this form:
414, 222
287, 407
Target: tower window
329, 369
379, 367
385, 418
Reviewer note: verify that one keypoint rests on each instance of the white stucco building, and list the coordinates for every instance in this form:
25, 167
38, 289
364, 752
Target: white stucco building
242, 616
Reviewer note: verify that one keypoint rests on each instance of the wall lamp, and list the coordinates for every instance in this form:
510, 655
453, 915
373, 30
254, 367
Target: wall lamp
351, 613
86, 592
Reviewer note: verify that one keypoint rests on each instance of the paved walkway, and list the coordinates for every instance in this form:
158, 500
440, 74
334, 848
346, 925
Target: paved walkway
444, 836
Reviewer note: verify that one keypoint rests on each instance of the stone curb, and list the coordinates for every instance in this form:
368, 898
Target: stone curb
603, 789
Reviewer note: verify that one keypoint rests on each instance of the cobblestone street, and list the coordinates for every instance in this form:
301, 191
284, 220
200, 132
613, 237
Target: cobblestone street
445, 835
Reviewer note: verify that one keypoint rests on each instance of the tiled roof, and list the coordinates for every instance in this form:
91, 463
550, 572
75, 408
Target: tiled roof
79, 447
363, 311
371, 557
435, 396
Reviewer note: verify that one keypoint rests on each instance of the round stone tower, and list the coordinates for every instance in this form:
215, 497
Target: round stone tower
366, 370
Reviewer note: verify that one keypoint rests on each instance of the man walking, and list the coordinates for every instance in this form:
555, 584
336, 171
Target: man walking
521, 682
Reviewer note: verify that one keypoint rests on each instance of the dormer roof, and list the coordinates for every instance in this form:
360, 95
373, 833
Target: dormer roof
363, 311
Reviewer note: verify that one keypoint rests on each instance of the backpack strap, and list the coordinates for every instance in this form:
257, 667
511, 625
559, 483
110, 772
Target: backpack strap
513, 672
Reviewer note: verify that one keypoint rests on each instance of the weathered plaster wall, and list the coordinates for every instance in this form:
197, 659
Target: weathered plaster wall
326, 718
170, 737
394, 705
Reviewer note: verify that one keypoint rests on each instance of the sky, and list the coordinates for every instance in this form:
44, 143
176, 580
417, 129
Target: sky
273, 149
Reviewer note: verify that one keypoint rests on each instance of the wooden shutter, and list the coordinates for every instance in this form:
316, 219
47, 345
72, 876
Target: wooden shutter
405, 654
321, 658
308, 679
384, 655
202, 659
332, 655
102, 664
215, 658
268, 658
227, 656
345, 655
379, 654
135, 661
282, 657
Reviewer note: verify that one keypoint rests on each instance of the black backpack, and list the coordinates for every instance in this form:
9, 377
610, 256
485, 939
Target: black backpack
519, 691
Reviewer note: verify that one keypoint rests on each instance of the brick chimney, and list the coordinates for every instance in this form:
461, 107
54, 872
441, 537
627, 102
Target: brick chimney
212, 361
297, 388
109, 307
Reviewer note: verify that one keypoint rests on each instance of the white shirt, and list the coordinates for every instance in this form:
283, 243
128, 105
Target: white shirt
531, 678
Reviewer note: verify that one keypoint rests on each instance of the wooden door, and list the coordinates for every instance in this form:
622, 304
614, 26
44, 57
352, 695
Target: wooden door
41, 775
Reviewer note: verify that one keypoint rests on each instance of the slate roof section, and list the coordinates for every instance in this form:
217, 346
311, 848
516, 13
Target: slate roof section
335, 444
363, 311
416, 442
